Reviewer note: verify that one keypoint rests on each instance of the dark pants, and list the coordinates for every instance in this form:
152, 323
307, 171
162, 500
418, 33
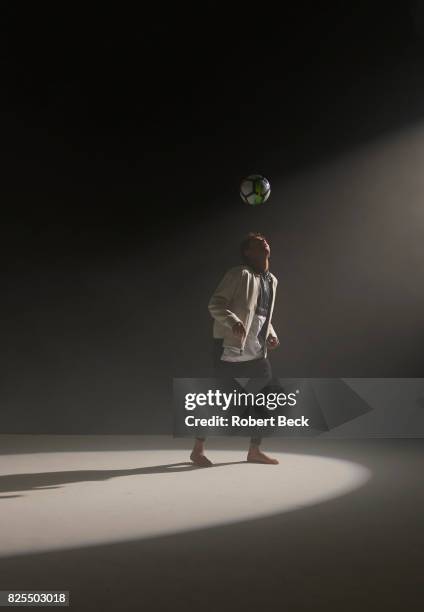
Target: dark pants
256, 368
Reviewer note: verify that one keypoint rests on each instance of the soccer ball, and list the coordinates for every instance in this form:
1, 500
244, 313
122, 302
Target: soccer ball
255, 189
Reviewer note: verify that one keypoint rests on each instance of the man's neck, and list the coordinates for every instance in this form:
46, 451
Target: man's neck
261, 266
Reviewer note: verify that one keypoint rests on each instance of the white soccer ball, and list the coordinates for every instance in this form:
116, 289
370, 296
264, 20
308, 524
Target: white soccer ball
255, 189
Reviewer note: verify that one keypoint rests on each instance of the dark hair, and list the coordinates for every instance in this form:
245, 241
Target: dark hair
245, 243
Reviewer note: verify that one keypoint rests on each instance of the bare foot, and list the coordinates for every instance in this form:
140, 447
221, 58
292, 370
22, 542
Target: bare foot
256, 456
200, 460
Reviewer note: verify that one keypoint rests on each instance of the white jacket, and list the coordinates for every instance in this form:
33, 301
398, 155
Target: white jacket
235, 300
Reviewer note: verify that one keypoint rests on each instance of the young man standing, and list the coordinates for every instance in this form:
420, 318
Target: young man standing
242, 307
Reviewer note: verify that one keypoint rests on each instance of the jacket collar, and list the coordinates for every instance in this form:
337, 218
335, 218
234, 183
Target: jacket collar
266, 274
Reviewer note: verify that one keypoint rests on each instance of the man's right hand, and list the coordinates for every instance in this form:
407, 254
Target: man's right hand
239, 330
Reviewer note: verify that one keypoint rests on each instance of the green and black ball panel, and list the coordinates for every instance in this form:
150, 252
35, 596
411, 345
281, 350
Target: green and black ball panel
255, 189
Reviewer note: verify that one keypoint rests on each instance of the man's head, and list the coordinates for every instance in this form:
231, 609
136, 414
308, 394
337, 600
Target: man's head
254, 249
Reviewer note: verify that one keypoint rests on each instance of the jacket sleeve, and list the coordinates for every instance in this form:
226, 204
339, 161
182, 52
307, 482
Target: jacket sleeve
219, 304
271, 331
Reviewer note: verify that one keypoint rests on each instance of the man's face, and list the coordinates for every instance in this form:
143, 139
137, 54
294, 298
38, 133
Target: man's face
258, 247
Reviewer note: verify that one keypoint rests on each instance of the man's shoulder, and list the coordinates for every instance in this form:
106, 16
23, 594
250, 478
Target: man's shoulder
274, 278
238, 270
242, 271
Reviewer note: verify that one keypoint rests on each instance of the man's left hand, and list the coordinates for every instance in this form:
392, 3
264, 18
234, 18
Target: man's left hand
272, 342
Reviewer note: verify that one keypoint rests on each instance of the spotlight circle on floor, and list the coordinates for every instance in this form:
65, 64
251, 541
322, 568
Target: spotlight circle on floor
65, 500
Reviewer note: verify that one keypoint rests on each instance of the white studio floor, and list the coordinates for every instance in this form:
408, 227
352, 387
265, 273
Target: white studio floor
125, 521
